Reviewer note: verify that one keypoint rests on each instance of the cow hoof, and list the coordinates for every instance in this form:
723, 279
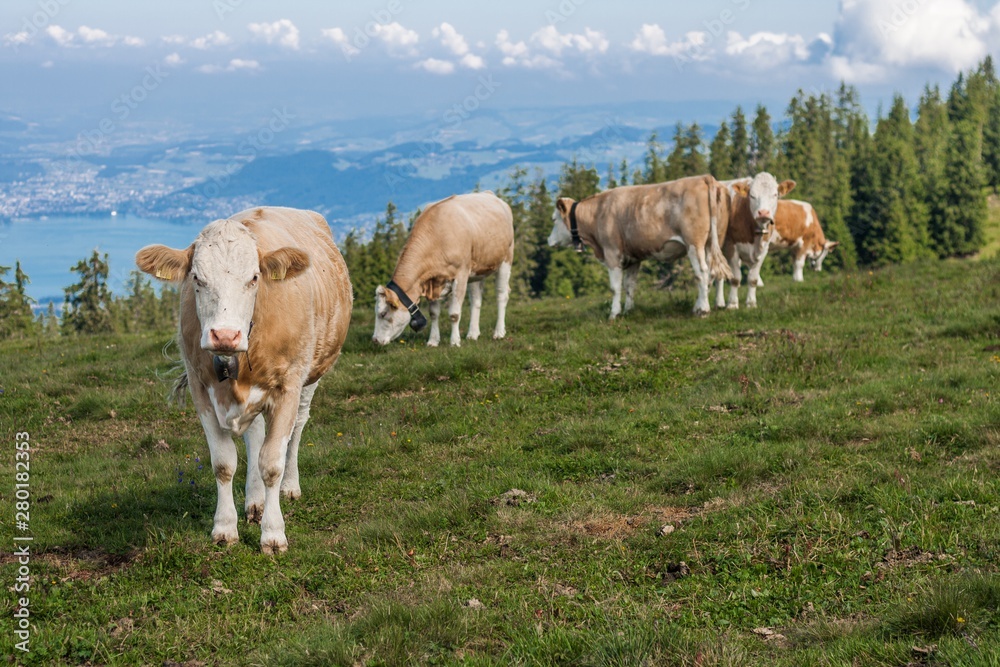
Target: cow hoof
433, 343
498, 335
225, 538
732, 306
751, 304
254, 513
456, 343
291, 493
274, 545
472, 336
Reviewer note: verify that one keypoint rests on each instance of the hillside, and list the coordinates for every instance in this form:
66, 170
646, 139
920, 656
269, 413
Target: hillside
811, 482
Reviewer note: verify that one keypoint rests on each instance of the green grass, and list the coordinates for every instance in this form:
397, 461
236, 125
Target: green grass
829, 463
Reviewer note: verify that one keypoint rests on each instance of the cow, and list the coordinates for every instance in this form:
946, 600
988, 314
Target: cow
663, 221
797, 227
453, 245
753, 206
265, 301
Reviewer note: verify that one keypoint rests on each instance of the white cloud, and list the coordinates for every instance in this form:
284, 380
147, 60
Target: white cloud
235, 65
59, 35
95, 36
451, 39
175, 40
550, 39
16, 38
400, 41
472, 61
211, 40
128, 40
173, 59
435, 66
340, 38
282, 32
653, 41
873, 36
767, 49
518, 54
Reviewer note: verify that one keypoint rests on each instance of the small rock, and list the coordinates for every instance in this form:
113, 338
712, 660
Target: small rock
475, 604
666, 530
516, 497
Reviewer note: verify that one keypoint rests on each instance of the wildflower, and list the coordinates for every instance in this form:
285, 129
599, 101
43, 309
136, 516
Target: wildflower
960, 620
339, 434
114, 505
310, 444
393, 434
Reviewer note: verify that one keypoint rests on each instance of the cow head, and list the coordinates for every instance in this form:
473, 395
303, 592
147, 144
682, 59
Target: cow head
224, 269
763, 192
819, 251
391, 316
560, 236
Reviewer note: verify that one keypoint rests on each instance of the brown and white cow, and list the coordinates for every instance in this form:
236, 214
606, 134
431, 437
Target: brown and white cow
663, 221
265, 305
753, 208
453, 245
797, 227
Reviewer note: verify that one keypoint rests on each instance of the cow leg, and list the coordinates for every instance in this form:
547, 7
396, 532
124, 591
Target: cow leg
503, 296
455, 307
699, 263
631, 280
475, 306
736, 266
290, 479
254, 502
753, 277
615, 275
800, 262
273, 454
224, 461
434, 307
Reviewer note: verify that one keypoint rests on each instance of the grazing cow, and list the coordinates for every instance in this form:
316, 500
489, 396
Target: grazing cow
265, 304
453, 245
797, 227
664, 221
753, 207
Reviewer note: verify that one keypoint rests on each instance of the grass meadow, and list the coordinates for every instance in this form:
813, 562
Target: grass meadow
814, 482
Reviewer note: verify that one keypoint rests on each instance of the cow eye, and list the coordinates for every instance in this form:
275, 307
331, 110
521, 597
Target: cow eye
197, 281
253, 281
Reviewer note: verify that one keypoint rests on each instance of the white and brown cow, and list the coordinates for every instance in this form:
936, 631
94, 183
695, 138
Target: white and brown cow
265, 304
797, 227
663, 221
753, 208
453, 245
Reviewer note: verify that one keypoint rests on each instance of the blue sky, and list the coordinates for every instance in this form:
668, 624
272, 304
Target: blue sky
216, 59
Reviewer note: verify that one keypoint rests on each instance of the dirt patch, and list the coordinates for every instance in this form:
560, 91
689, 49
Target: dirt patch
82, 565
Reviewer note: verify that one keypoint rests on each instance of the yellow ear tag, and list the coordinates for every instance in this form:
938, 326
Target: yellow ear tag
163, 274
278, 274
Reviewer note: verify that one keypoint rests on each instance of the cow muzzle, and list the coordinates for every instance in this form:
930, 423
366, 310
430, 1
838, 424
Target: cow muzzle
225, 341
763, 224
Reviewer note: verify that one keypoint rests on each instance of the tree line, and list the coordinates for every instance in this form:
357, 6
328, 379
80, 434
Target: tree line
896, 190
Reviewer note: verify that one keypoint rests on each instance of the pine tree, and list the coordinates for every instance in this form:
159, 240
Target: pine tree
655, 169
897, 230
931, 139
960, 228
694, 162
569, 273
526, 241
88, 305
623, 172
740, 145
720, 162
16, 317
675, 165
762, 142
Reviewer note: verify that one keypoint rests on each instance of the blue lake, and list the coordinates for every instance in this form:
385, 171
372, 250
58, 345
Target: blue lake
48, 247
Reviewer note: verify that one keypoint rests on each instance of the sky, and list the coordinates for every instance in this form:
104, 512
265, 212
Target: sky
216, 61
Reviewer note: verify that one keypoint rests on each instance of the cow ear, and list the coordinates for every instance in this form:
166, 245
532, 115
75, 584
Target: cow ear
390, 298
830, 245
742, 188
785, 187
165, 263
283, 263
563, 204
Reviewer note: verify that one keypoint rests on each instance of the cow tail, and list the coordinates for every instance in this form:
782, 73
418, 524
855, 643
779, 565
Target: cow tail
718, 266
177, 375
